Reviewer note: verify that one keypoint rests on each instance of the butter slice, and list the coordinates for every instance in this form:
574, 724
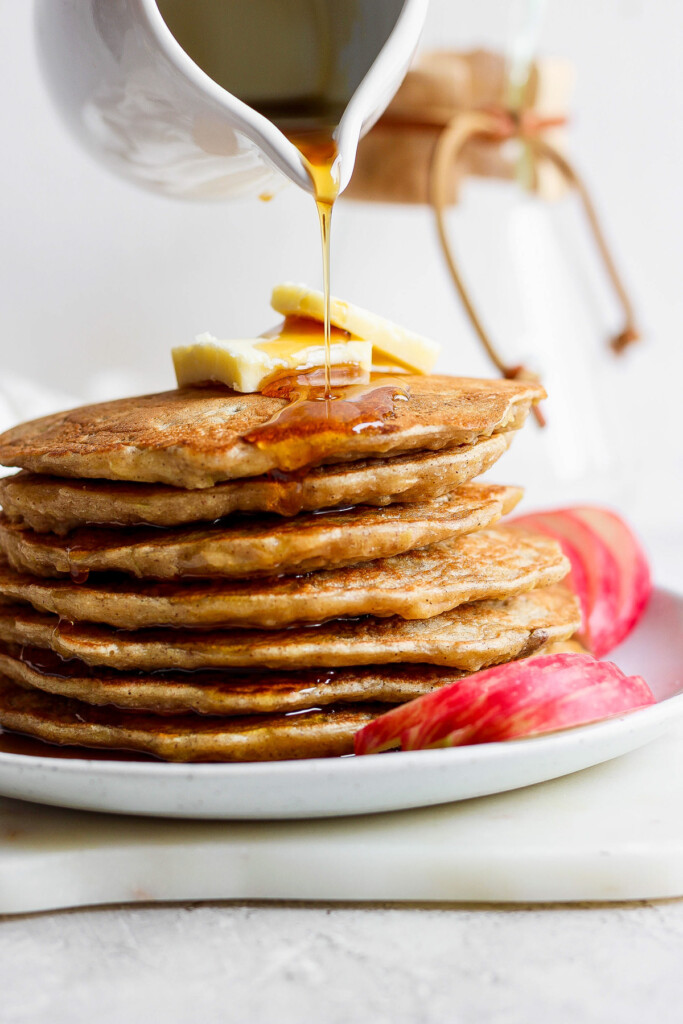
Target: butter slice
411, 351
244, 366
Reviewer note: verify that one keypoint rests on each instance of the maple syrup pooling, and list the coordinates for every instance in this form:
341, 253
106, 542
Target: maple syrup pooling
307, 430
286, 341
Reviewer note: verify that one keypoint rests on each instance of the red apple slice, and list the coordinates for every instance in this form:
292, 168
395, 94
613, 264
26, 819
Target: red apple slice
521, 698
594, 574
609, 574
633, 570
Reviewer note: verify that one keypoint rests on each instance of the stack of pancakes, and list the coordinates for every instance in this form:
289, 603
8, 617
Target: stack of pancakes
168, 588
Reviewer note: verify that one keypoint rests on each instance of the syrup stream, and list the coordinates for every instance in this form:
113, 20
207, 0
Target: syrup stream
325, 217
319, 149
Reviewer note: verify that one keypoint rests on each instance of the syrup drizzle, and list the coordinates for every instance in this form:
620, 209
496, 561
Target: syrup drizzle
324, 403
295, 333
310, 425
319, 149
319, 411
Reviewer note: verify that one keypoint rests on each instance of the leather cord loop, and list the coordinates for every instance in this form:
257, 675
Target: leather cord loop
498, 125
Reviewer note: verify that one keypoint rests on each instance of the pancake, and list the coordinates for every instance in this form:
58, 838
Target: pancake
467, 638
249, 546
565, 647
316, 733
58, 505
489, 564
194, 437
219, 692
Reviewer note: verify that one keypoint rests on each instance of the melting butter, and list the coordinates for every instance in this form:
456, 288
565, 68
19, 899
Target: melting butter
360, 342
394, 345
248, 365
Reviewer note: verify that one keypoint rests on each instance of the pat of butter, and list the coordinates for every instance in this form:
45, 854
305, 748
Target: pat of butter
391, 343
247, 365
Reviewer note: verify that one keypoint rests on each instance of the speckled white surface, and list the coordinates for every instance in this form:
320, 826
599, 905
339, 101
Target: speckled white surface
335, 965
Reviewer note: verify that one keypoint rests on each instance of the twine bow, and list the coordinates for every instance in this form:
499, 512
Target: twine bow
498, 125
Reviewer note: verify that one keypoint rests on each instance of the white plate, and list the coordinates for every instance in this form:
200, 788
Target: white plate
332, 787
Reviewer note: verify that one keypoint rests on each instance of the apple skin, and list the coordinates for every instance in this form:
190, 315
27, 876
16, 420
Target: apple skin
633, 570
610, 573
537, 695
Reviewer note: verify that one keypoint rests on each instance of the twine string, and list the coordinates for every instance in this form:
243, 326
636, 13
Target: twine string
629, 332
498, 125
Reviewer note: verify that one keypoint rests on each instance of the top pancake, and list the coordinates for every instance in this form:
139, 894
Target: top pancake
193, 437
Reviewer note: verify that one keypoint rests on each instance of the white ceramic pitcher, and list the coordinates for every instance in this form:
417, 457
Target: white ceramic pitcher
138, 101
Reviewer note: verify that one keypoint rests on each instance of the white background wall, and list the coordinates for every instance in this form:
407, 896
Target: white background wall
98, 280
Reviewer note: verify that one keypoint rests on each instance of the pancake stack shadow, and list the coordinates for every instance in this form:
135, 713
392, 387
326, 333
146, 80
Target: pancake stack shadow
168, 589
